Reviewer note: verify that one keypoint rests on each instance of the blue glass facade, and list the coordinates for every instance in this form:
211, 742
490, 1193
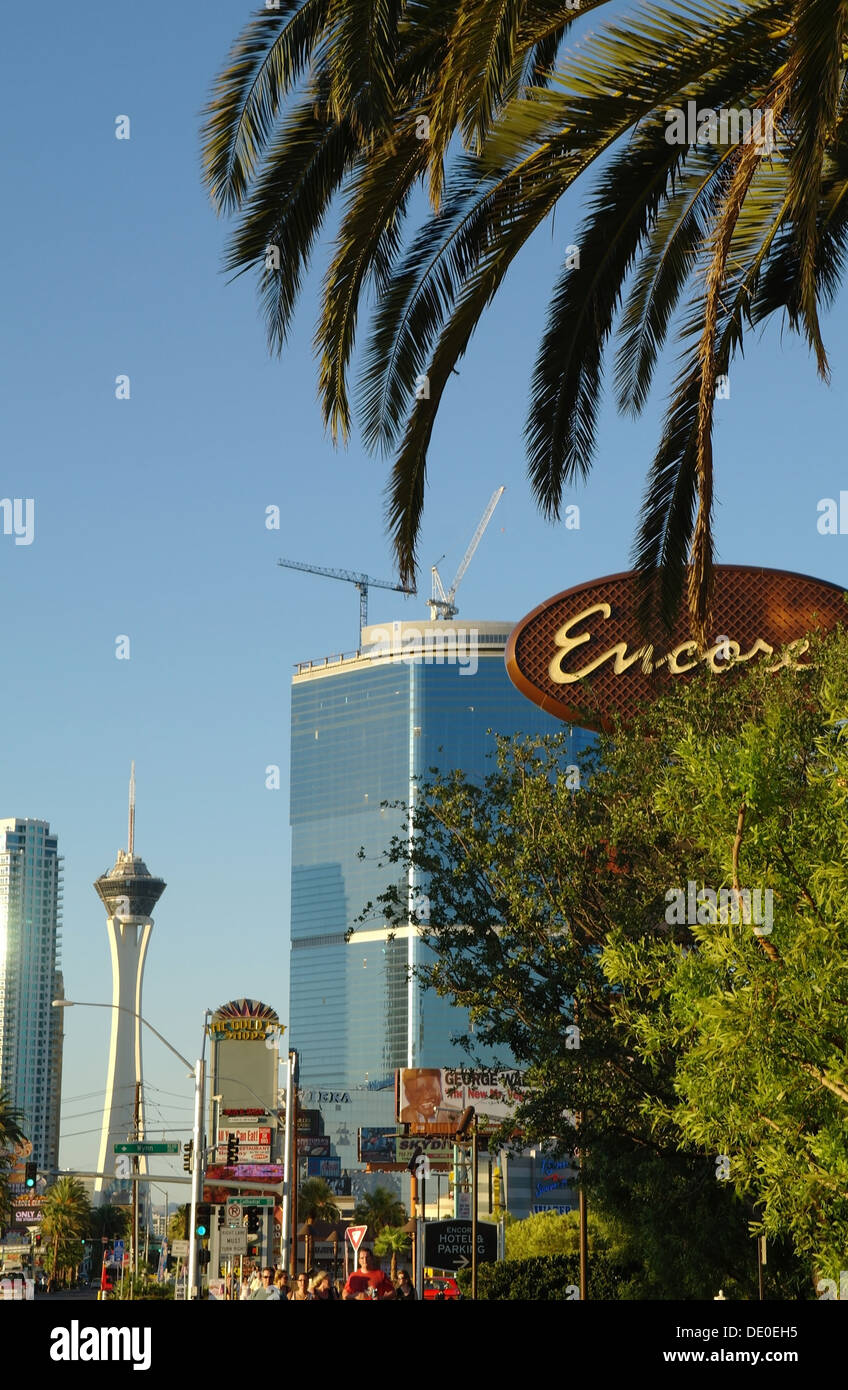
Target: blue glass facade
361, 730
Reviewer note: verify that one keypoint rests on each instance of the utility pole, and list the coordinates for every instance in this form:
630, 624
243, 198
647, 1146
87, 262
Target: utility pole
136, 1113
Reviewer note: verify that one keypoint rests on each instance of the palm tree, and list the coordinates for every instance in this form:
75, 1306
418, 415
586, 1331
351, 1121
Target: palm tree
737, 229
315, 1203
106, 1223
11, 1138
379, 1209
394, 1241
67, 1216
11, 1125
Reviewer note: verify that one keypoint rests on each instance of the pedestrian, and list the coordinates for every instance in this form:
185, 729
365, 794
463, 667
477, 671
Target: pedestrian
301, 1292
281, 1279
368, 1281
267, 1288
321, 1289
405, 1287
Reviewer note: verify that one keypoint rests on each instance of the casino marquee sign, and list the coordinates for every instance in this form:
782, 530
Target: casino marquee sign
581, 655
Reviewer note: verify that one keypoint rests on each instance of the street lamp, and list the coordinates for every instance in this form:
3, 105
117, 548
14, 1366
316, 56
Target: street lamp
197, 1070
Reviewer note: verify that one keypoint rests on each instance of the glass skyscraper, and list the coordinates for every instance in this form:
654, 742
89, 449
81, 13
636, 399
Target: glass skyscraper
417, 696
30, 979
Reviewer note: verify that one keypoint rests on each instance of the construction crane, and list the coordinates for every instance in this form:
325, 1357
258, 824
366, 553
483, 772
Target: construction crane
363, 583
442, 604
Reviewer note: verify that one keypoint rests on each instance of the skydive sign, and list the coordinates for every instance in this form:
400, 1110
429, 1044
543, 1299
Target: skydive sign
447, 1244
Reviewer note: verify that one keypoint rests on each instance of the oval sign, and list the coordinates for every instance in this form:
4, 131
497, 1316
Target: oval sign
582, 657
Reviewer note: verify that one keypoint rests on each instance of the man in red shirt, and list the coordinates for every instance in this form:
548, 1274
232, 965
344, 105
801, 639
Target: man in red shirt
368, 1281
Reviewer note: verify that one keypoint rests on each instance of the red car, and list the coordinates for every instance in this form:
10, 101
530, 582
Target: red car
441, 1287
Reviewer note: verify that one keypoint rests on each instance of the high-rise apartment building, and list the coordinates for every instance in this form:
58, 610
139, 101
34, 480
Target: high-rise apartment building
30, 979
417, 696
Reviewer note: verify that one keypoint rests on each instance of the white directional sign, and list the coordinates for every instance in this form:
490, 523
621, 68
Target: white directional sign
122, 1165
233, 1242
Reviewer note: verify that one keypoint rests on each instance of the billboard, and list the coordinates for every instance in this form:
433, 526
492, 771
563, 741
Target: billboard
254, 1143
582, 655
433, 1098
313, 1146
376, 1144
323, 1167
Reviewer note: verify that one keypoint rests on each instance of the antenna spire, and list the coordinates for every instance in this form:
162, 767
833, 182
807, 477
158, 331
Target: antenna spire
131, 835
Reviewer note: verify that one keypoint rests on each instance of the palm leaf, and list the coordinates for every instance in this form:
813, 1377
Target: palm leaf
265, 63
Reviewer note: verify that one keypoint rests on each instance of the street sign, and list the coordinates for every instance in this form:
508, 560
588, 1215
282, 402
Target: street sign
233, 1242
447, 1244
248, 1200
122, 1165
356, 1235
118, 1252
234, 1214
179, 1248
144, 1147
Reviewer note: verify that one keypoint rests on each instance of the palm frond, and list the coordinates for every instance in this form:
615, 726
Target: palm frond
265, 63
367, 244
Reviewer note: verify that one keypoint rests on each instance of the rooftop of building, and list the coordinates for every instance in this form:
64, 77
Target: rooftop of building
384, 643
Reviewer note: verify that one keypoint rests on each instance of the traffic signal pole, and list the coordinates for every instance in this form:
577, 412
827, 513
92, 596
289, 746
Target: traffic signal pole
196, 1175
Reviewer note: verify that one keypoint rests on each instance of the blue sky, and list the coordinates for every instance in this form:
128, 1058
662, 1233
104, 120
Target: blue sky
149, 514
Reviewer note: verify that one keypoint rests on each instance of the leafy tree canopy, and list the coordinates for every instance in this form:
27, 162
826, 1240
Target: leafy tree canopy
657, 1046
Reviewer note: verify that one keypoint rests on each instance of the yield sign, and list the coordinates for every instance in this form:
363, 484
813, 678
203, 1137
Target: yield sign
356, 1235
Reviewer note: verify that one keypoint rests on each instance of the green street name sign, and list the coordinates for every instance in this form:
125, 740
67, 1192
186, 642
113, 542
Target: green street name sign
250, 1201
143, 1147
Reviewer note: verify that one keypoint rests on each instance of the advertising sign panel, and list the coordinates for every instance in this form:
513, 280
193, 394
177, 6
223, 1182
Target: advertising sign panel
376, 1144
438, 1149
323, 1167
447, 1244
583, 655
313, 1145
254, 1143
430, 1098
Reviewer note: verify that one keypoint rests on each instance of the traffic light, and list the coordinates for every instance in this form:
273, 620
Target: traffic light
232, 1150
204, 1219
253, 1221
31, 1173
188, 1154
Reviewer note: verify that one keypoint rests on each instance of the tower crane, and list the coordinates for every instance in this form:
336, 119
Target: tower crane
442, 604
363, 583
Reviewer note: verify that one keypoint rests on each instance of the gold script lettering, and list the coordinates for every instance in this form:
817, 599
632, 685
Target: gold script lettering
730, 651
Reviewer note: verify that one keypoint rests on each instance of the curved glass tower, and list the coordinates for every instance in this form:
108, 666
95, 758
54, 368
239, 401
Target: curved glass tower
417, 696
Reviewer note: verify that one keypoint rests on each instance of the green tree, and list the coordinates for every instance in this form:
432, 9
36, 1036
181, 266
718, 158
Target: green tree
378, 1210
762, 1079
394, 1241
67, 1215
315, 1202
11, 1136
535, 890
177, 1222
106, 1223
499, 112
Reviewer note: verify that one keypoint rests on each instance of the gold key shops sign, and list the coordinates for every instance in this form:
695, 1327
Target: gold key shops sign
582, 656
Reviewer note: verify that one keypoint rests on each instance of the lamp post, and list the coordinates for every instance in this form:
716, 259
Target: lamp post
197, 1070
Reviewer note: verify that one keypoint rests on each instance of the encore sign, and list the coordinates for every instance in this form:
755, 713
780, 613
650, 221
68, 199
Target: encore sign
581, 655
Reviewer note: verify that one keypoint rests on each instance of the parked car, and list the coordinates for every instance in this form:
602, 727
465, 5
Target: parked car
441, 1287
